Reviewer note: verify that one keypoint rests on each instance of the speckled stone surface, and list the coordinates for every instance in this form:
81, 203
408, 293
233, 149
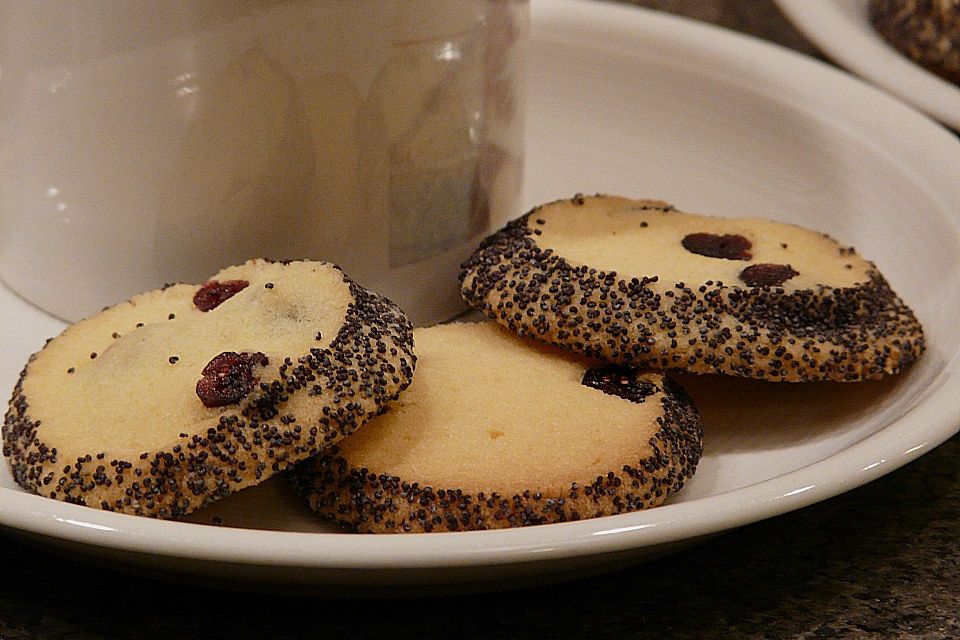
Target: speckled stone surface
880, 562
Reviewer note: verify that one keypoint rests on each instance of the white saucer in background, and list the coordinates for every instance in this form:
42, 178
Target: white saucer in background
841, 29
641, 104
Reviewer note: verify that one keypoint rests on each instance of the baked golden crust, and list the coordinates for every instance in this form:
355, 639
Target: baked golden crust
835, 318
127, 428
500, 431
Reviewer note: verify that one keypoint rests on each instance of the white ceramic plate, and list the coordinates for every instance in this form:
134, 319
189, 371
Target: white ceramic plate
840, 28
633, 102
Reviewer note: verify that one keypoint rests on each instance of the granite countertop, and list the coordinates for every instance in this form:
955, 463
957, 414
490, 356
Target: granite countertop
882, 561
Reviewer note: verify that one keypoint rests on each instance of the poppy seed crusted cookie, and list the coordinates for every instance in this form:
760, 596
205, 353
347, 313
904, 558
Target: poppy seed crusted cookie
500, 431
184, 395
637, 281
926, 31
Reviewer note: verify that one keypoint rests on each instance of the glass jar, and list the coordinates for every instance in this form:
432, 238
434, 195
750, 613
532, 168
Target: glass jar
145, 143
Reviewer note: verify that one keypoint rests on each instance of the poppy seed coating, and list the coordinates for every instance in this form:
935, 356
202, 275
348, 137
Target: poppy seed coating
926, 31
300, 405
852, 327
536, 436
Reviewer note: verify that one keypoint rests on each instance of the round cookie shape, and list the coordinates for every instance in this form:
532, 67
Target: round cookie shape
186, 394
640, 282
500, 431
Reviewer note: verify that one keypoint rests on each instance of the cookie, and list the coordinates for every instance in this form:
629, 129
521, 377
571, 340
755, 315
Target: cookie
637, 281
186, 394
926, 31
500, 431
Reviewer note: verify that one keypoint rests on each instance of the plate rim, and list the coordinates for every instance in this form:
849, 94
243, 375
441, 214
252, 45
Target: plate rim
839, 37
920, 429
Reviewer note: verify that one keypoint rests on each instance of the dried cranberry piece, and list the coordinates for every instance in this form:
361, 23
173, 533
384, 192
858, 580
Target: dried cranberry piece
729, 247
212, 294
618, 380
767, 275
228, 378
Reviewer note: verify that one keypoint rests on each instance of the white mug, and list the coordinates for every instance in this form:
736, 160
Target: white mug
151, 142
